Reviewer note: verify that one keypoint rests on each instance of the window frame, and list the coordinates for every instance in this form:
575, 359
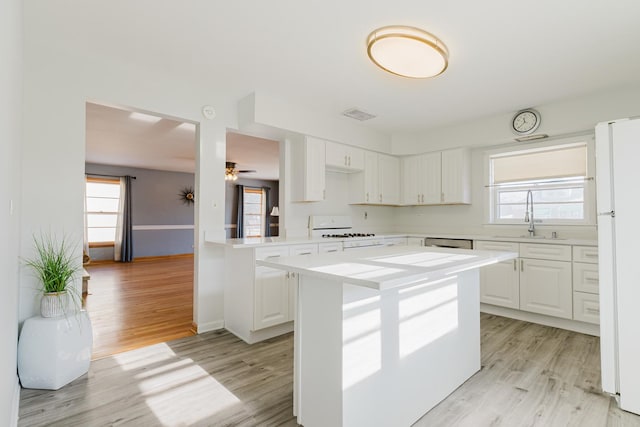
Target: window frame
262, 215
588, 183
114, 181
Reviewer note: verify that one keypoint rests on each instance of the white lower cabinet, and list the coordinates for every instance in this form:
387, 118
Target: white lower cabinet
271, 290
415, 241
545, 287
271, 298
586, 286
543, 280
500, 283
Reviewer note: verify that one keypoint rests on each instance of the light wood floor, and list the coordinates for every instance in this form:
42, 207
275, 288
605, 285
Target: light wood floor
132, 305
531, 375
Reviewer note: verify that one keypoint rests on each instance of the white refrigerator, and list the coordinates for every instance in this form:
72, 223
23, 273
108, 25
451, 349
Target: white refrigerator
618, 207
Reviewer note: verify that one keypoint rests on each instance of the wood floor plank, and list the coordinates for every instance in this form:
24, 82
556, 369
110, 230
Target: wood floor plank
531, 376
132, 305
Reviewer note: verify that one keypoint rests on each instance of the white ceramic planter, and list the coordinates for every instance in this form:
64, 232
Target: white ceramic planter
54, 304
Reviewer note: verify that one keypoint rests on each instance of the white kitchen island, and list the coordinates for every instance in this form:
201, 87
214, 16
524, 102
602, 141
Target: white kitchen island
383, 335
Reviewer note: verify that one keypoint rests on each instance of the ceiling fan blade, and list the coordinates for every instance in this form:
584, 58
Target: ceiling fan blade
247, 171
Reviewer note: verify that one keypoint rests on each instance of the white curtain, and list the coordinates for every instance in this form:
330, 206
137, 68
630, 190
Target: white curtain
117, 244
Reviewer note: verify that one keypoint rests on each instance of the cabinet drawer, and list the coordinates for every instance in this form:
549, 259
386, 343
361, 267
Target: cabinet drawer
585, 278
588, 254
324, 248
542, 251
271, 252
586, 307
496, 246
307, 249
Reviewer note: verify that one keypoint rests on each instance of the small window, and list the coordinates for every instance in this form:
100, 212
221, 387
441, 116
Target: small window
103, 201
556, 176
254, 212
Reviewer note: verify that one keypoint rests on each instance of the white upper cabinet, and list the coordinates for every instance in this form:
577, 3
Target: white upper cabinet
344, 158
456, 176
308, 166
388, 180
379, 183
437, 178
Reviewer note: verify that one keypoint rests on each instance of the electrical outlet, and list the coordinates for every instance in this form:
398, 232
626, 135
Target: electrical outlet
365, 215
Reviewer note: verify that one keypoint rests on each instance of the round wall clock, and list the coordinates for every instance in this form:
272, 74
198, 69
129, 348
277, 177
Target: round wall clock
525, 121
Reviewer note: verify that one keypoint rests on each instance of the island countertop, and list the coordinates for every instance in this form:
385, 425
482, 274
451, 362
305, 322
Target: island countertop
386, 267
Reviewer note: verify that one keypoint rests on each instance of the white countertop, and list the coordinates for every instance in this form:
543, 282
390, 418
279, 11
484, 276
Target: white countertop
386, 267
252, 242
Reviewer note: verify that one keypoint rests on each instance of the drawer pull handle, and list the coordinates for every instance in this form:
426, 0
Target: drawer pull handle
272, 256
304, 253
332, 250
521, 265
590, 255
593, 310
591, 279
515, 265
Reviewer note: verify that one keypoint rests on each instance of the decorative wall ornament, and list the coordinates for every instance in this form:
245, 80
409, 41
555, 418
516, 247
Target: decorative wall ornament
187, 195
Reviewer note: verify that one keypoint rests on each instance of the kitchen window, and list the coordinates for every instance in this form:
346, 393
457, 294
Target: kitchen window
556, 175
254, 210
102, 202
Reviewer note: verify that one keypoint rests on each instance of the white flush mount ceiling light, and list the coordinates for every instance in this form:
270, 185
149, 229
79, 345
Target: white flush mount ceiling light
407, 52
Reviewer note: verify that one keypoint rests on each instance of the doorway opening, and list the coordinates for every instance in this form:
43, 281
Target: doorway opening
252, 192
139, 227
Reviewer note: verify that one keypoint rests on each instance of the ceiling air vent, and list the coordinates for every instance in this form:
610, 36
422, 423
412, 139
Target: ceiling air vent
354, 113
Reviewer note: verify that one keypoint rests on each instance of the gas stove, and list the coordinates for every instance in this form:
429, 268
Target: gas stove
347, 235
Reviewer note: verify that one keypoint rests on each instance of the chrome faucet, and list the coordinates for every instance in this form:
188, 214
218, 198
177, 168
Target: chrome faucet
527, 218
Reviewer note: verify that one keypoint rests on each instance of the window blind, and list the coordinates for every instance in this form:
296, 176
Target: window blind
558, 163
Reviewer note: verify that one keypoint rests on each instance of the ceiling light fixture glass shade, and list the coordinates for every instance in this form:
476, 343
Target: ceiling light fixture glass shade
407, 52
230, 172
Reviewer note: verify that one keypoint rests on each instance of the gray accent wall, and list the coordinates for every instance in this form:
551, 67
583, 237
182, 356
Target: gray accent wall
231, 203
155, 202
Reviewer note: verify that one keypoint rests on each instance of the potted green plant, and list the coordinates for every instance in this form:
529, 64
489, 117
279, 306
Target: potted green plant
55, 266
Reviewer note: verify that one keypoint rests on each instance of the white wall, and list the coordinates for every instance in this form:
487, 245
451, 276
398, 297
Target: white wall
563, 117
10, 137
58, 83
57, 86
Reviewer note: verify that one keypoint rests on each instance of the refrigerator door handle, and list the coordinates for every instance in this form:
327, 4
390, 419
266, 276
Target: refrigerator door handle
612, 214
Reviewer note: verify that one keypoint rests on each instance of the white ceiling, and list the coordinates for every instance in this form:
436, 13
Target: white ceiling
119, 137
505, 54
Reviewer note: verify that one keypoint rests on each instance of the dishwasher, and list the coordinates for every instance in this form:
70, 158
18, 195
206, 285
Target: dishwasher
448, 243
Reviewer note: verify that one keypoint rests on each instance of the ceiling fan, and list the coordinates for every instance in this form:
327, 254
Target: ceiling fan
231, 173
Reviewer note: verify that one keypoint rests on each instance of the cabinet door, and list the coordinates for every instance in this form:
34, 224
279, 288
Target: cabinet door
355, 158
415, 241
271, 304
456, 174
430, 179
545, 287
308, 170
388, 180
336, 155
500, 283
410, 170
370, 177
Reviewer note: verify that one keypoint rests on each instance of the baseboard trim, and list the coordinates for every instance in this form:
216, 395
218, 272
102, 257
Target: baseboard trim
15, 405
571, 325
208, 326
